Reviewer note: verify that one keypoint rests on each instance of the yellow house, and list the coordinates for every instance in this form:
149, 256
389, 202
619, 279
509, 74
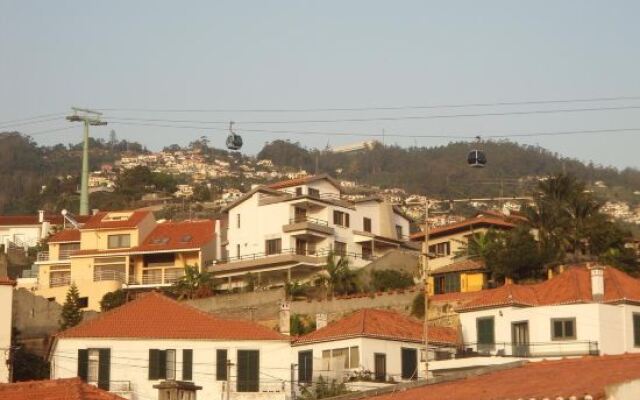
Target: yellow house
461, 276
122, 250
447, 240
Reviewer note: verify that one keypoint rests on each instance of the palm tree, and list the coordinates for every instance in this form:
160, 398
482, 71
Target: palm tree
193, 283
339, 276
478, 246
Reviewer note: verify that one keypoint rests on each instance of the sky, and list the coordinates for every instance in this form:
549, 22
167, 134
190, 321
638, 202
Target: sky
219, 57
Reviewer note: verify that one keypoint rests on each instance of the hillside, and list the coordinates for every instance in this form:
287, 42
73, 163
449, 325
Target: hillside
443, 172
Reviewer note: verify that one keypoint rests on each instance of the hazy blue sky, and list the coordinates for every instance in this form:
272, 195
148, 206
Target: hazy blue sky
301, 54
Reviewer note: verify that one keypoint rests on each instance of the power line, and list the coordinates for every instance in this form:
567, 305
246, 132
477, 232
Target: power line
389, 108
30, 118
32, 122
401, 118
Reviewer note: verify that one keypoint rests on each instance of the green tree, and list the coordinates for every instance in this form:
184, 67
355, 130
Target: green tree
479, 246
390, 279
193, 284
340, 278
516, 254
71, 311
113, 300
302, 324
201, 193
417, 306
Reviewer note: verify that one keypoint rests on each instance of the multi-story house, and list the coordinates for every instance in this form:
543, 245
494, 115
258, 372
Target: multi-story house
123, 249
284, 231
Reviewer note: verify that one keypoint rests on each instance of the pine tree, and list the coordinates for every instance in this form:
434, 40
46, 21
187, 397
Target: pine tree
71, 313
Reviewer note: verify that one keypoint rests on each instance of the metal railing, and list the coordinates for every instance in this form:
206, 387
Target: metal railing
62, 255
558, 348
320, 253
160, 277
263, 387
60, 280
304, 218
109, 275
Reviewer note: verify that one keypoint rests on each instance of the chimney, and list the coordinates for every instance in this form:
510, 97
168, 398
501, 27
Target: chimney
597, 281
40, 216
321, 320
284, 318
176, 390
94, 211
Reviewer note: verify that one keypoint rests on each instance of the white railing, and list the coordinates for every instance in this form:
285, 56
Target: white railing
161, 276
62, 255
42, 256
60, 280
173, 275
108, 275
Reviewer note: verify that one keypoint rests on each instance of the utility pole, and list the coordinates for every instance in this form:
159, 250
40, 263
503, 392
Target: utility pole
87, 117
425, 275
229, 364
293, 377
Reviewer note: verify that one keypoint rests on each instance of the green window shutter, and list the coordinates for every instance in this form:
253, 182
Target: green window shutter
221, 365
305, 366
187, 364
636, 329
162, 365
104, 369
154, 364
83, 363
248, 371
485, 331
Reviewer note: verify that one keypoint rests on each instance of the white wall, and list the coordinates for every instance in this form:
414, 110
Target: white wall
6, 304
609, 325
130, 362
30, 234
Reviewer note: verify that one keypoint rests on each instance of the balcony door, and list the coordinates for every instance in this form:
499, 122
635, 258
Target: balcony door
520, 338
300, 214
301, 247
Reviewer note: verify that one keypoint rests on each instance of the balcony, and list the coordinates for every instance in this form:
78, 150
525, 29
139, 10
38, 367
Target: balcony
308, 226
271, 390
531, 350
61, 280
158, 277
62, 255
107, 275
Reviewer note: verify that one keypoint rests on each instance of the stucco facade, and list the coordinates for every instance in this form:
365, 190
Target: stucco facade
6, 304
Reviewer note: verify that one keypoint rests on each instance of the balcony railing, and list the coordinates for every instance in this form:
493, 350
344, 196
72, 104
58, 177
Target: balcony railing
160, 277
537, 349
62, 255
304, 218
109, 275
320, 253
271, 386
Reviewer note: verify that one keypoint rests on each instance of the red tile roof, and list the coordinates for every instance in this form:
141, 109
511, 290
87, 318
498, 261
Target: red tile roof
380, 324
155, 316
65, 235
302, 181
179, 235
545, 379
20, 220
59, 389
467, 224
461, 266
5, 281
571, 286
96, 221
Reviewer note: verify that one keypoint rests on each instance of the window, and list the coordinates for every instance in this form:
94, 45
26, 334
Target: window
348, 357
299, 191
238, 251
409, 362
187, 364
563, 328
340, 248
221, 365
446, 283
486, 333
305, 366
380, 367
366, 224
399, 233
118, 241
440, 249
109, 268
314, 192
159, 260
248, 371
340, 218
367, 251
162, 364
636, 329
60, 277
83, 302
273, 246
94, 366
237, 220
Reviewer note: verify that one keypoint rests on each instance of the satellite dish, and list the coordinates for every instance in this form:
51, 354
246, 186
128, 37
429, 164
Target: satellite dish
64, 211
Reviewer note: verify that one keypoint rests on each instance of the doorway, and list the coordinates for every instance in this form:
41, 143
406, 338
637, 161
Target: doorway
520, 338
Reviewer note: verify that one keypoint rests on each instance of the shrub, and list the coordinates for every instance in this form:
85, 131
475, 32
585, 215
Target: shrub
390, 279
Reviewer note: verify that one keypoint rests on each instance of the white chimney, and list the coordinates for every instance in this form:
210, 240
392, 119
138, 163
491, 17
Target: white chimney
284, 318
597, 281
40, 216
321, 320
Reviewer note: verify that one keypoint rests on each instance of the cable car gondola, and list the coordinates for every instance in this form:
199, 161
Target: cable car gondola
234, 141
476, 157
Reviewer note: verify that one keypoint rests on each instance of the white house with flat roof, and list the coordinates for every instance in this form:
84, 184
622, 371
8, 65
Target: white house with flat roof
285, 231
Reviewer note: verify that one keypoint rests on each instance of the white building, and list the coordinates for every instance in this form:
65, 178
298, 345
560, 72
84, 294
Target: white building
6, 304
285, 231
152, 339
583, 310
375, 345
24, 231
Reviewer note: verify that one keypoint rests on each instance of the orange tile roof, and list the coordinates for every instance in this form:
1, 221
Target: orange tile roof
379, 324
96, 221
155, 316
535, 380
59, 389
570, 287
179, 235
55, 219
5, 281
301, 181
460, 266
65, 235
467, 224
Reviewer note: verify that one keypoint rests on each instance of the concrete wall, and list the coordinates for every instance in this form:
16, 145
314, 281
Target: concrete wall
6, 301
257, 306
130, 363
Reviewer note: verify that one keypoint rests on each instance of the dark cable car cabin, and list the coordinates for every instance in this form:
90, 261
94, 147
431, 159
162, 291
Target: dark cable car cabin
234, 141
476, 159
